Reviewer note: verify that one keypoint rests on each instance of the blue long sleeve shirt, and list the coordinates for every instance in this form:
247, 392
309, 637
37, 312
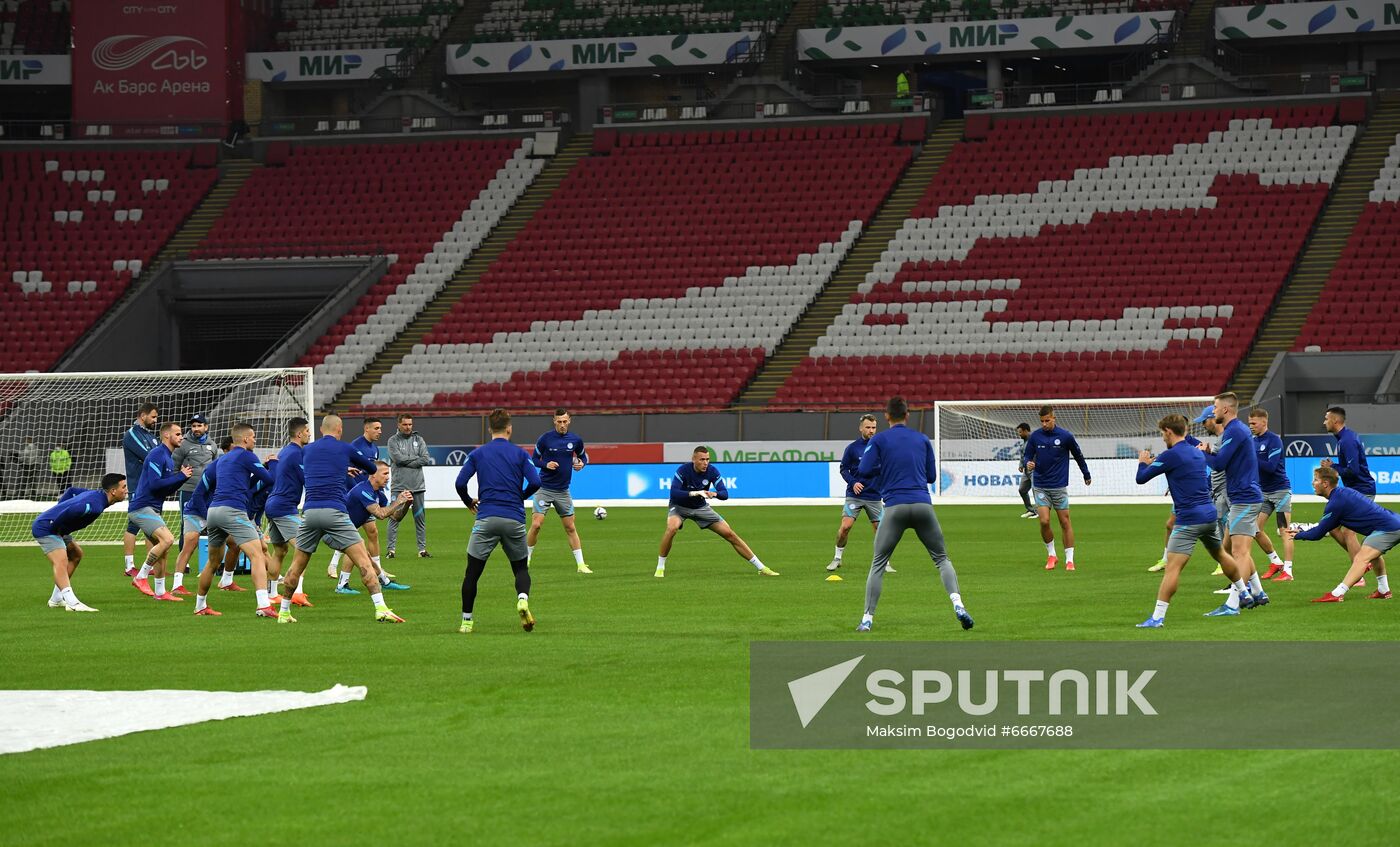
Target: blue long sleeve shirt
687, 480
324, 462
1051, 452
850, 471
553, 447
900, 462
290, 479
1268, 452
1351, 463
159, 479
136, 443
1349, 508
361, 497
366, 449
257, 501
1187, 481
198, 502
1235, 456
78, 509
238, 470
505, 479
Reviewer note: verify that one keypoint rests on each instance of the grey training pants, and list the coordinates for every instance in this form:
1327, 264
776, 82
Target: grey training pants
920, 518
420, 522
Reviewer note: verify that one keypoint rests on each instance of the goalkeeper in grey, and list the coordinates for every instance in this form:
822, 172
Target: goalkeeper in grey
900, 463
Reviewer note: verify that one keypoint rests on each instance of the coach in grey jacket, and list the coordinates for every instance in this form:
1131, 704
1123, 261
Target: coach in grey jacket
196, 451
408, 455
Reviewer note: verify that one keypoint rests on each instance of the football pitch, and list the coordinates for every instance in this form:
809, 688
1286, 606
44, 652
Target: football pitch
623, 718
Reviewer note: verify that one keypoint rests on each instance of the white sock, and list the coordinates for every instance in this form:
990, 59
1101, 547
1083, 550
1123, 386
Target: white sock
661, 563
1340, 590
529, 553
160, 586
1275, 559
69, 598
272, 587
301, 580
286, 604
578, 557
225, 578
377, 566
1255, 586
130, 560
1069, 554
378, 600
200, 602
144, 572
1383, 584
840, 551
383, 580
867, 619
263, 602
1050, 548
466, 616
956, 598
56, 594
1288, 567
755, 562
1233, 601
1160, 612
1165, 552
1240, 586
335, 559
179, 580
522, 596
343, 581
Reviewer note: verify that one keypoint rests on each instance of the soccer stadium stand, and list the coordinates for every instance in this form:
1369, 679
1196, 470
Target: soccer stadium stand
78, 226
1358, 309
876, 13
34, 26
658, 275
359, 24
425, 205
1067, 257
523, 20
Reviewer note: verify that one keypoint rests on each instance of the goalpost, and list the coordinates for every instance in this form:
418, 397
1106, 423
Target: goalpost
977, 448
44, 415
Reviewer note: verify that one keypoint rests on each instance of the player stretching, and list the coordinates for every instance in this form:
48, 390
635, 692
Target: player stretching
159, 479
1047, 458
900, 461
53, 531
861, 495
1351, 469
690, 496
558, 454
505, 479
326, 516
1347, 507
1189, 486
1278, 495
365, 446
235, 474
367, 501
136, 443
284, 498
1217, 492
1235, 456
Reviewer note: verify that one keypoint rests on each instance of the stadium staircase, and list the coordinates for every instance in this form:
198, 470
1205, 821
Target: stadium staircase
459, 31
1195, 29
534, 197
232, 174
1339, 217
873, 240
783, 43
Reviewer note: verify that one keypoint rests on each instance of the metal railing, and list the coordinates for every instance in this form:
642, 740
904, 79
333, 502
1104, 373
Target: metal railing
334, 125
67, 130
732, 110
324, 248
1106, 93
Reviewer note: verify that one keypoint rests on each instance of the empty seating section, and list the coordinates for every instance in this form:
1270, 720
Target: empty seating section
1359, 309
1069, 257
360, 24
34, 26
525, 20
885, 12
77, 226
425, 205
658, 275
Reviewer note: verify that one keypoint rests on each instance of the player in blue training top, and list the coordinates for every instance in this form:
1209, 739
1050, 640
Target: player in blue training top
237, 473
159, 479
367, 446
53, 532
1350, 508
1217, 490
861, 494
136, 443
558, 454
1235, 456
326, 517
899, 461
693, 486
368, 501
1351, 468
284, 500
1189, 486
1278, 495
1048, 451
505, 479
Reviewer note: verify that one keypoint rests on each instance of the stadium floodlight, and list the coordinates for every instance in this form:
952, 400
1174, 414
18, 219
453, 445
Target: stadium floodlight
85, 415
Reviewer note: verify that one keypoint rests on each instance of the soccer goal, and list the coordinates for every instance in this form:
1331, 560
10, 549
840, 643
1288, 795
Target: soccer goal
60, 430
978, 449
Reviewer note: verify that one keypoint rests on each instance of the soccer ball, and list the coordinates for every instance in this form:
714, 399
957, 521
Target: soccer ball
600, 513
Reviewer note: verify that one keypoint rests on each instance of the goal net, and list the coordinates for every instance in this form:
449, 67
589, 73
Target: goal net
978, 450
61, 430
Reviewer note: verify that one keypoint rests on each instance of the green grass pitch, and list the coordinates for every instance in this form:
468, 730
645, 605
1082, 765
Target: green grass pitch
623, 719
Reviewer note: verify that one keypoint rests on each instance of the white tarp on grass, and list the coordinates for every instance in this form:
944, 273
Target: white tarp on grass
33, 720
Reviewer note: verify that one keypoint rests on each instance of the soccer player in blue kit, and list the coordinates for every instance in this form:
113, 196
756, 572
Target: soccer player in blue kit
693, 486
861, 494
558, 454
1347, 507
1235, 456
53, 532
1047, 455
